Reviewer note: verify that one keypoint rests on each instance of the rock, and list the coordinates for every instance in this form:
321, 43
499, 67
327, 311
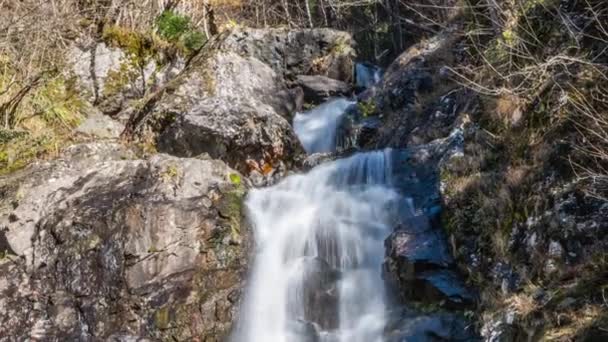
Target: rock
290, 52
556, 250
417, 251
101, 126
319, 292
93, 66
111, 247
405, 84
419, 265
442, 286
417, 327
500, 330
108, 79
228, 106
318, 89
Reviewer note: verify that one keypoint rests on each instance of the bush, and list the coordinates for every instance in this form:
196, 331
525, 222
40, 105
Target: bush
172, 26
177, 29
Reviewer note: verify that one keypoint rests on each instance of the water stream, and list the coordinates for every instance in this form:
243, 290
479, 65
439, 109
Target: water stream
319, 245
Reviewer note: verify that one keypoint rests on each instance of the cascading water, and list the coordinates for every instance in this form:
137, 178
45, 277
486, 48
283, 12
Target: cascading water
317, 269
317, 128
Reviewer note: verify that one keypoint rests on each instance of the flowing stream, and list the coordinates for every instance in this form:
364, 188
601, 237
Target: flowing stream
316, 275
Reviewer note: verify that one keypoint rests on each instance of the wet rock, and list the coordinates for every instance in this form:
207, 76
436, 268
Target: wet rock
419, 263
318, 89
107, 243
319, 293
227, 106
303, 331
291, 52
442, 286
417, 327
406, 82
417, 251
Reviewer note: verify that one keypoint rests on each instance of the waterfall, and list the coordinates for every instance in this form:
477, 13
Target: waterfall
317, 128
316, 274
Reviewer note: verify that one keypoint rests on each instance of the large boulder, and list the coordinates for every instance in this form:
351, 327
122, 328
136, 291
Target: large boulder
320, 51
318, 89
100, 245
233, 108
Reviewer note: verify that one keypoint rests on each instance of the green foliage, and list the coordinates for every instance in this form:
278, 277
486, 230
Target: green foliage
178, 29
194, 40
172, 26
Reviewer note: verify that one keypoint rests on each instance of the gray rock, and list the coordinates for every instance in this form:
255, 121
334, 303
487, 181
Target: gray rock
289, 52
101, 126
229, 107
107, 246
93, 66
318, 89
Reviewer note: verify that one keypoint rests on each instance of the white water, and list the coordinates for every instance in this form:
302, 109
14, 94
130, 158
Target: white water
366, 75
317, 269
316, 128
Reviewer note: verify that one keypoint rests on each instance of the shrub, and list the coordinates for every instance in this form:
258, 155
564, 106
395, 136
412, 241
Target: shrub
172, 26
178, 29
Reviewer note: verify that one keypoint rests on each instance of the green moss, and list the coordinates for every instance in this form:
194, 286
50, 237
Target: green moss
234, 208
118, 80
162, 317
235, 179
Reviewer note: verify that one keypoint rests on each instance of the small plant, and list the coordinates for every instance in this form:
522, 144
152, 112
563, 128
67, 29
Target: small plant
235, 179
367, 108
171, 173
